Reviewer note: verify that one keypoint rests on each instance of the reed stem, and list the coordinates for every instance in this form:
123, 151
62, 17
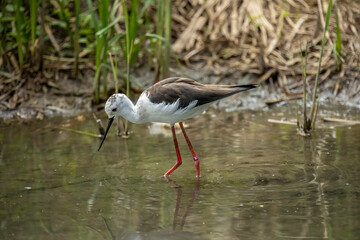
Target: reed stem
323, 40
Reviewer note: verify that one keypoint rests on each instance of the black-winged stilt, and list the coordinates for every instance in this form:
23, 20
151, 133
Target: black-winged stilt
171, 100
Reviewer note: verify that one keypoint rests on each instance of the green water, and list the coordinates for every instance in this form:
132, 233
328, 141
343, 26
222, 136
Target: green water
259, 181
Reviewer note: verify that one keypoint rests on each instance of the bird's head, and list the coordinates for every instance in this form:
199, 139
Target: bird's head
114, 105
113, 108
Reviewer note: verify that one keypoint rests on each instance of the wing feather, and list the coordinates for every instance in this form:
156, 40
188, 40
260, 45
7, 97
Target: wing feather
187, 90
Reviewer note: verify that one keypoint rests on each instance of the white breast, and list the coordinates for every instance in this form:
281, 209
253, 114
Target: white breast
166, 113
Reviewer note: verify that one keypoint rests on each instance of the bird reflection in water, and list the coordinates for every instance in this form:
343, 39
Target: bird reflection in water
179, 220
180, 225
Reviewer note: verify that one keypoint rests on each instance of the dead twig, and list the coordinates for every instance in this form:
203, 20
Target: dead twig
100, 125
338, 120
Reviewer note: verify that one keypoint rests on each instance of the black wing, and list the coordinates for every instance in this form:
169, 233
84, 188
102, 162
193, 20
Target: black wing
187, 90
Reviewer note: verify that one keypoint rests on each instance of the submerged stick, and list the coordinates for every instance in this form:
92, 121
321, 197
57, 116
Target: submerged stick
109, 229
275, 101
101, 127
282, 122
304, 86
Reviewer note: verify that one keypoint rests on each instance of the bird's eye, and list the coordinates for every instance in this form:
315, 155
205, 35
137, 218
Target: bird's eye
114, 109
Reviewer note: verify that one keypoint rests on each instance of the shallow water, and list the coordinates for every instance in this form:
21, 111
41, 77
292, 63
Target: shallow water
259, 180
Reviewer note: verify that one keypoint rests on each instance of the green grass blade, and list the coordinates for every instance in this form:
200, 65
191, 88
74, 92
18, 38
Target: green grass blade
134, 26
101, 45
163, 28
104, 12
114, 9
108, 27
151, 35
127, 45
93, 15
338, 39
104, 17
147, 3
19, 23
33, 16
167, 34
127, 27
76, 37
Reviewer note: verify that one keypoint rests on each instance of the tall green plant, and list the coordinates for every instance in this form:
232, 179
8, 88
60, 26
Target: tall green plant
129, 49
131, 42
131, 29
101, 44
309, 123
104, 18
323, 40
163, 47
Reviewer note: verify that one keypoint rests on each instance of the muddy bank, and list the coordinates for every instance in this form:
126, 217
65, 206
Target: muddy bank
68, 97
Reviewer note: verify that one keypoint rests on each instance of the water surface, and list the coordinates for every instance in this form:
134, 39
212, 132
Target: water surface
258, 180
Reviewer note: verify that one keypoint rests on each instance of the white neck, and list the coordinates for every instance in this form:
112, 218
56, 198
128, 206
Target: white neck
129, 111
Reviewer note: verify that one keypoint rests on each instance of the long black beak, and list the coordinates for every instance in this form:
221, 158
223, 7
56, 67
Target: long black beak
107, 129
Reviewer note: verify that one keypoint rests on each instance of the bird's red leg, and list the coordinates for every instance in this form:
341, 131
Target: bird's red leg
178, 162
196, 159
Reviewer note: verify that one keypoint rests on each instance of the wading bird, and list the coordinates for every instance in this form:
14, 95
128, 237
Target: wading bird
171, 100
